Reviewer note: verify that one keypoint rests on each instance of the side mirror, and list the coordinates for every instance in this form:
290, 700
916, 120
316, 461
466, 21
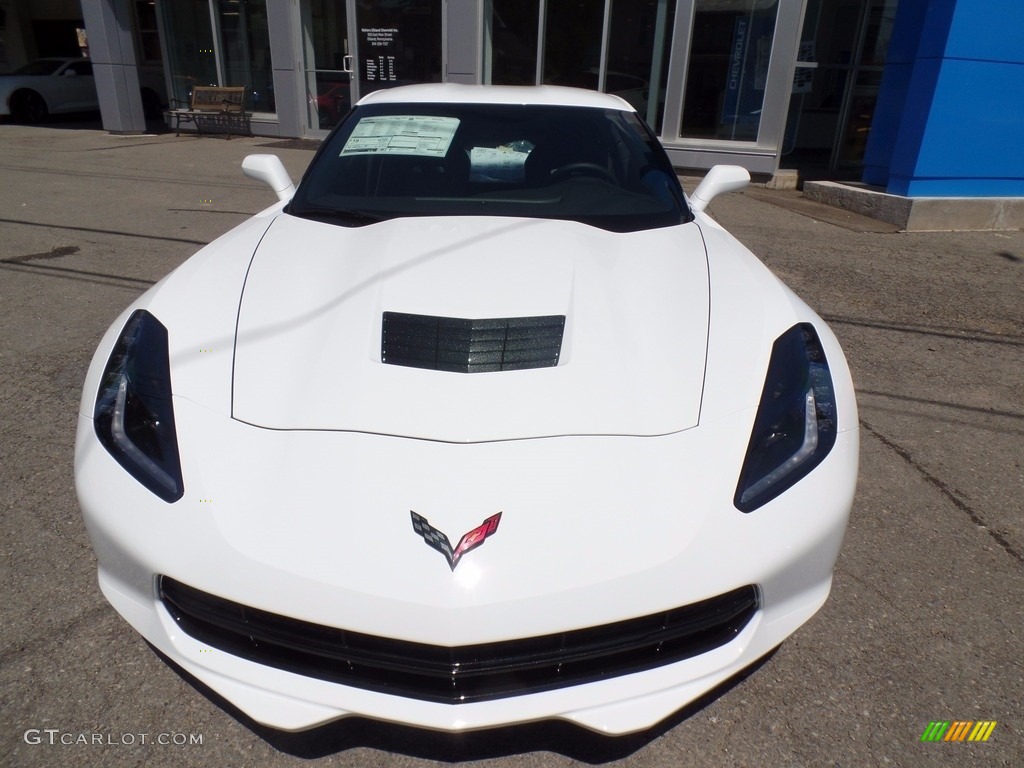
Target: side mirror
70, 73
720, 179
269, 170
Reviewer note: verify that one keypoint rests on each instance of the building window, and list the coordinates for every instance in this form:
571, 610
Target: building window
237, 54
245, 50
189, 41
148, 36
839, 72
636, 50
510, 39
639, 41
573, 41
730, 50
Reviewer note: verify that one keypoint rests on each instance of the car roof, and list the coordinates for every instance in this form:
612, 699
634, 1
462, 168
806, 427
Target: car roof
456, 93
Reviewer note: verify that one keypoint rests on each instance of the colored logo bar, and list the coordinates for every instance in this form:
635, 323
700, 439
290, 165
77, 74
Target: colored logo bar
958, 730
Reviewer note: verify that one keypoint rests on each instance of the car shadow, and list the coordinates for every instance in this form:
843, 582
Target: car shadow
560, 737
66, 121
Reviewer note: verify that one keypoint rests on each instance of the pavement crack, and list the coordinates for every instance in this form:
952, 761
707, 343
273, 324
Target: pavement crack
115, 232
883, 596
943, 404
208, 210
81, 275
958, 334
45, 642
946, 491
55, 253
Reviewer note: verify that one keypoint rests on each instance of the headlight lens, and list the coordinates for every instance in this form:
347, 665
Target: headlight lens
795, 426
134, 419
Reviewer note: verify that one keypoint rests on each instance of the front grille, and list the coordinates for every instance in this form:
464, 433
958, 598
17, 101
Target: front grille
471, 346
465, 673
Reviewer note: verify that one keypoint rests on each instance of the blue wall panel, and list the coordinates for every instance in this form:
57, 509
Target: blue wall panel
896, 87
950, 120
988, 30
969, 140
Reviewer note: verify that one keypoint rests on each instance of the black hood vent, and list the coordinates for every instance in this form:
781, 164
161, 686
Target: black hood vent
471, 346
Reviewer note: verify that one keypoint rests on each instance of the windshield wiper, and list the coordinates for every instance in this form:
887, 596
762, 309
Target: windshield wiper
336, 214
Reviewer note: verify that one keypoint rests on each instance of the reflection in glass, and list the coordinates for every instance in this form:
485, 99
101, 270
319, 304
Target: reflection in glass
148, 35
842, 54
858, 122
245, 51
244, 48
189, 47
728, 69
638, 54
328, 85
881, 15
510, 42
572, 42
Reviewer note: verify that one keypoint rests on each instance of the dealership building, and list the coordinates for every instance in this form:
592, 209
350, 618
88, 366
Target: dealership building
921, 98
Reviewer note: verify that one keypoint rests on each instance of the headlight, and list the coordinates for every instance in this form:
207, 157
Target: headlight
795, 426
134, 419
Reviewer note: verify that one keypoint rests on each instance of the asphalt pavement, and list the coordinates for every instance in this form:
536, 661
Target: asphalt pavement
924, 622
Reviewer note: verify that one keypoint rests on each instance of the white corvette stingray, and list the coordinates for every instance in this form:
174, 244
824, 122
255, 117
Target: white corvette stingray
483, 423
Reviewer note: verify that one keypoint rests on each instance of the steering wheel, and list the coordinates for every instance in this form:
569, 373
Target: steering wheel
590, 169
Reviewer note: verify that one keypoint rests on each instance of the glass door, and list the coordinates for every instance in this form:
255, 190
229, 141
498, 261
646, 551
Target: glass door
355, 47
397, 43
330, 90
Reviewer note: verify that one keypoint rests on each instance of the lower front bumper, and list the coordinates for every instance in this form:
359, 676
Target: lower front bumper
466, 673
305, 557
615, 706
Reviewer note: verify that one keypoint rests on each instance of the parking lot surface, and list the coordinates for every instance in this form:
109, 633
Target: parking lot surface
924, 622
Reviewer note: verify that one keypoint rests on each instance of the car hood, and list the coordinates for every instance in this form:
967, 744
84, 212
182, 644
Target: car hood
308, 346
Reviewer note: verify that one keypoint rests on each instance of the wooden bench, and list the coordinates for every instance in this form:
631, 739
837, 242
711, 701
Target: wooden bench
215, 108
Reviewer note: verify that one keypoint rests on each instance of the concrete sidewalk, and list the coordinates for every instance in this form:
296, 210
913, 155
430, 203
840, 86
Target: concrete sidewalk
926, 614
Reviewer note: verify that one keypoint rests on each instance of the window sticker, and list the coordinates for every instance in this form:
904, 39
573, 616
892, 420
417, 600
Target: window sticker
498, 164
422, 135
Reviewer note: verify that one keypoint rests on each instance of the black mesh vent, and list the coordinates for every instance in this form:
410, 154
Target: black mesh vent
464, 673
471, 346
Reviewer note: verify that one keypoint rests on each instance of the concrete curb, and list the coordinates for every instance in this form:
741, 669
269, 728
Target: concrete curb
921, 214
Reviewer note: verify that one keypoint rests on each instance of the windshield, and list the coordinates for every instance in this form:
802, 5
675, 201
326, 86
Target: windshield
39, 67
601, 167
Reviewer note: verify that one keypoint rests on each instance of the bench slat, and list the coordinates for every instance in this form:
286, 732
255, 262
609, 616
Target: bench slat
213, 105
